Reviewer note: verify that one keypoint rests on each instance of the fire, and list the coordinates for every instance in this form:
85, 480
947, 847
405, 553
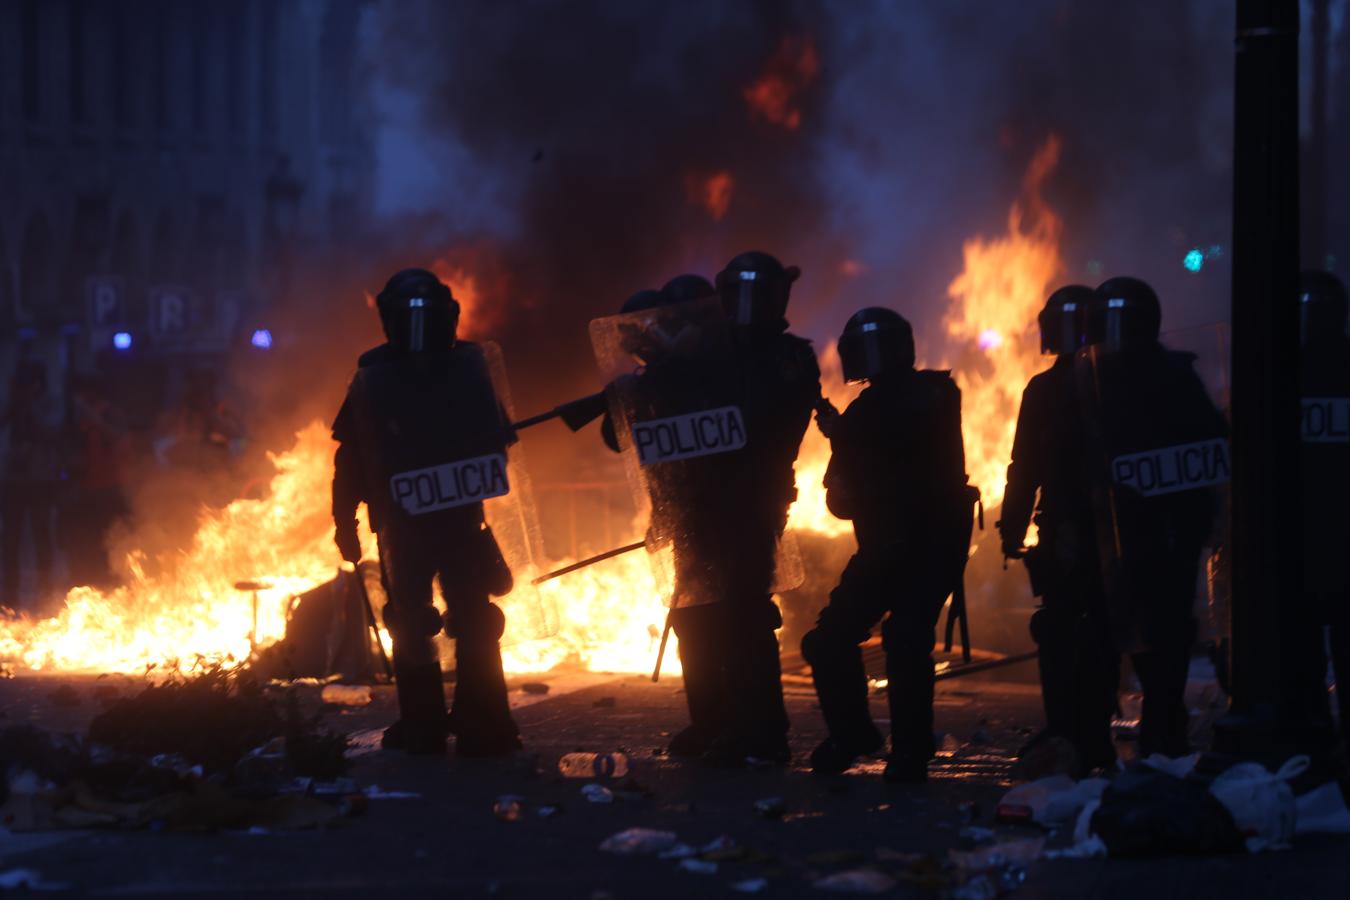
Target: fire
712, 192
809, 512
793, 66
992, 321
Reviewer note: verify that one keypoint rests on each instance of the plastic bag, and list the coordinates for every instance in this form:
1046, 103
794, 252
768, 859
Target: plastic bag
638, 841
1262, 803
1322, 811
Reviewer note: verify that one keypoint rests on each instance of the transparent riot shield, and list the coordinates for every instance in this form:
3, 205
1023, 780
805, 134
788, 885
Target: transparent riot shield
1158, 464
677, 408
436, 443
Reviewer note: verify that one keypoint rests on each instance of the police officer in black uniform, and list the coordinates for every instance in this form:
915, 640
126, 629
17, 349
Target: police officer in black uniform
425, 399
1078, 671
1325, 366
1145, 401
898, 472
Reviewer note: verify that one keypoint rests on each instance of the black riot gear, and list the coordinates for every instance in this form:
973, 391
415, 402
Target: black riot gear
754, 288
876, 341
642, 300
898, 472
1125, 314
1063, 318
422, 441
1325, 387
1322, 307
687, 288
418, 312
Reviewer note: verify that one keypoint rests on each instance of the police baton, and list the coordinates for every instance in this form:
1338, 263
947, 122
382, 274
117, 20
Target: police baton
371, 621
592, 560
661, 650
576, 414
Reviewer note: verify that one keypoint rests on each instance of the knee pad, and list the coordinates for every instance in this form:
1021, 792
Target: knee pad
815, 646
414, 622
481, 623
1043, 627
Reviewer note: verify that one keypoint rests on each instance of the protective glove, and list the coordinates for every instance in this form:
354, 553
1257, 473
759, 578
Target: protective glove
348, 542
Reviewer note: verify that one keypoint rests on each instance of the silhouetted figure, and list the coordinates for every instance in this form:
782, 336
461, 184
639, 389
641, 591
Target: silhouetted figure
1079, 672
30, 423
898, 472
99, 431
1326, 487
1159, 450
422, 441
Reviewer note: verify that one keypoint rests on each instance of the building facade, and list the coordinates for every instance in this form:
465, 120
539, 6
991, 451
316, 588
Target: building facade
163, 161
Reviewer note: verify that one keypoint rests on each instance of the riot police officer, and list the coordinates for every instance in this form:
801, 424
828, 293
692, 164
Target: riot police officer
1325, 371
1159, 454
1077, 670
897, 470
422, 439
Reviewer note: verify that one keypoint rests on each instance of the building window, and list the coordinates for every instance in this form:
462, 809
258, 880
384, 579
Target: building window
159, 68
31, 25
234, 68
267, 71
124, 99
79, 88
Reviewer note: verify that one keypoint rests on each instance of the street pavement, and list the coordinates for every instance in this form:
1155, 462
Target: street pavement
446, 840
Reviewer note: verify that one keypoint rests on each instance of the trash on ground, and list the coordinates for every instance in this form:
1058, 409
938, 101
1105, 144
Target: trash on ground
508, 807
535, 687
722, 849
856, 881
1176, 766
375, 792
698, 866
678, 851
593, 765
976, 834
1090, 848
1020, 852
1028, 802
1322, 811
750, 885
346, 694
548, 812
638, 842
770, 807
1146, 812
28, 879
1261, 802
597, 793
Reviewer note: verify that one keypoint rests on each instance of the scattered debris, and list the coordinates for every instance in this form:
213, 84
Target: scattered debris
535, 687
28, 879
1323, 811
597, 793
1146, 812
856, 881
508, 807
638, 842
346, 694
1090, 848
593, 765
548, 812
1261, 802
374, 792
770, 808
698, 866
750, 885
723, 848
678, 851
605, 703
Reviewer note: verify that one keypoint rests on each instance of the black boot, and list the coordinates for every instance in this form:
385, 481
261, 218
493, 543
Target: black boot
909, 693
841, 687
699, 630
481, 712
422, 726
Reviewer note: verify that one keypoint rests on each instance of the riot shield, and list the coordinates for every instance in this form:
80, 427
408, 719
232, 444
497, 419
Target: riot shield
1158, 460
677, 410
434, 437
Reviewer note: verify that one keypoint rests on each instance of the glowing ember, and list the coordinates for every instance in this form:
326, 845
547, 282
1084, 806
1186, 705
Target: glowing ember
992, 318
712, 192
793, 66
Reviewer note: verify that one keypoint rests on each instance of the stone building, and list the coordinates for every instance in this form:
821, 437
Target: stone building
162, 162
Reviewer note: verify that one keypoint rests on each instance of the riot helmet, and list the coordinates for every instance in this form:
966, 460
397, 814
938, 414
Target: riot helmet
643, 299
754, 288
1124, 314
418, 312
1322, 307
876, 341
1062, 319
684, 288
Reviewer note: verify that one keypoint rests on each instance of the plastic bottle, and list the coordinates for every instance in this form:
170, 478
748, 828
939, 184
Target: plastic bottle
593, 765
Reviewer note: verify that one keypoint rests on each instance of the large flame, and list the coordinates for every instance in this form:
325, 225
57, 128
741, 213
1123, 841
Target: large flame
609, 615
791, 69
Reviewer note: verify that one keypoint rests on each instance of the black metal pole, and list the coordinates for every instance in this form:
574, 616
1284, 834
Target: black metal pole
1270, 709
1315, 159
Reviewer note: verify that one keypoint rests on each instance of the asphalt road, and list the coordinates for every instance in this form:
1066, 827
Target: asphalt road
446, 841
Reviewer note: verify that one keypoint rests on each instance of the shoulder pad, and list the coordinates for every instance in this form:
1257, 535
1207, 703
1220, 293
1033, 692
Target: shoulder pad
938, 379
375, 355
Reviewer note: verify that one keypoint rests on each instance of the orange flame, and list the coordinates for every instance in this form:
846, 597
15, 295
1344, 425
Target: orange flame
992, 320
792, 68
712, 192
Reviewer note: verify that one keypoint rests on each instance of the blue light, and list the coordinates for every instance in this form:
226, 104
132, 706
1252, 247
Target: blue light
262, 339
122, 340
1194, 261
